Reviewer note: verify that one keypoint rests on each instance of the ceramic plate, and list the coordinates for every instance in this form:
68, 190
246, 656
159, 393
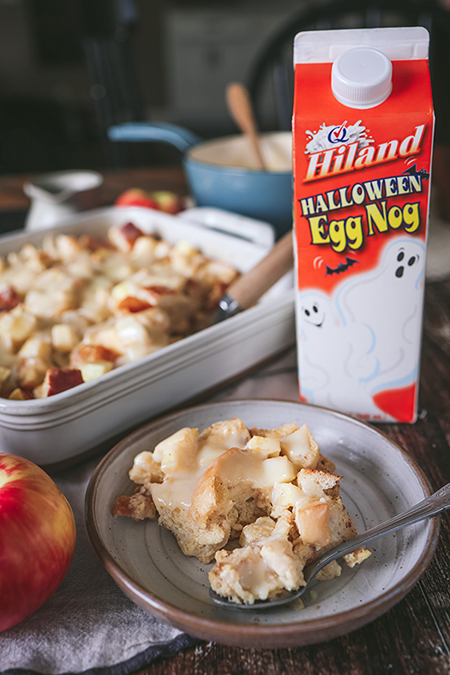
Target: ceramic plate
380, 480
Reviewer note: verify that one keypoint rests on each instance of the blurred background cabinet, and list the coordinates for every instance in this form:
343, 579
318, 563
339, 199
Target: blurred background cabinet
183, 55
207, 48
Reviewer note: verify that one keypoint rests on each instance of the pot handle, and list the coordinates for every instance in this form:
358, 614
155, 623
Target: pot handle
181, 138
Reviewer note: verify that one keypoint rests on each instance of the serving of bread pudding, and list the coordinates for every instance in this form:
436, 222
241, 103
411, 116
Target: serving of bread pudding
261, 503
76, 308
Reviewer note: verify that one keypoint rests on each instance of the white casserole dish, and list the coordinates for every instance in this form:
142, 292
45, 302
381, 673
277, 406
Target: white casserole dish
60, 428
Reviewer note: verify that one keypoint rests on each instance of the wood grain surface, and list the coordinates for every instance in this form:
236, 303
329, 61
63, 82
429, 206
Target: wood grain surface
13, 198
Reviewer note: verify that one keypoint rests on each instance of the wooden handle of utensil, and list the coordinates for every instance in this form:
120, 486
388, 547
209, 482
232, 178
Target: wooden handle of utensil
253, 284
240, 106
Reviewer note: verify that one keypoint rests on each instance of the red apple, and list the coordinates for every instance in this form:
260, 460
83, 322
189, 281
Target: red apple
37, 538
161, 200
169, 202
136, 197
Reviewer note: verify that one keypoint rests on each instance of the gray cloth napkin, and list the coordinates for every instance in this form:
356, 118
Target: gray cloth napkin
88, 623
89, 626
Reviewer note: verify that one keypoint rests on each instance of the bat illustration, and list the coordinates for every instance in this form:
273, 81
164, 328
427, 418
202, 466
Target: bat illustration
412, 171
342, 267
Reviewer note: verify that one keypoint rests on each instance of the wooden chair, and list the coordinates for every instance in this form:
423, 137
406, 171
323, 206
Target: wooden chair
270, 78
275, 57
105, 28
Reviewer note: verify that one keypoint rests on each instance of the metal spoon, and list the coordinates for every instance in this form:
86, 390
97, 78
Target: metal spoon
240, 107
434, 504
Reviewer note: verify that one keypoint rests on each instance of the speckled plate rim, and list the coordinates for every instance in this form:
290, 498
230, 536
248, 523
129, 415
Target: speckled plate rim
295, 634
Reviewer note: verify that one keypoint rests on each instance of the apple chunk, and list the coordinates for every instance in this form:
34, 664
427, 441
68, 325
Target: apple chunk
301, 448
314, 525
60, 379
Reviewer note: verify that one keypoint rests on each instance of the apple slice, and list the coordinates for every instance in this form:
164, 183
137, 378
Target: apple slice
124, 237
90, 371
60, 379
90, 353
314, 524
9, 298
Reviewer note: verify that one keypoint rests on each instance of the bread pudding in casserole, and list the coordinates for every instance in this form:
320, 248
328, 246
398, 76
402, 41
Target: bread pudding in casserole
270, 489
77, 307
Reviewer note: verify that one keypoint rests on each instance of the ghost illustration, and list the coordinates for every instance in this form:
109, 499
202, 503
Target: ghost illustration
388, 301
333, 357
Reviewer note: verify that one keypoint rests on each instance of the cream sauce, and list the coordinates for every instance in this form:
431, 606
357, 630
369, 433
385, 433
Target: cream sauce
244, 465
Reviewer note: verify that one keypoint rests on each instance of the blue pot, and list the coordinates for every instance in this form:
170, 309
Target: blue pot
220, 173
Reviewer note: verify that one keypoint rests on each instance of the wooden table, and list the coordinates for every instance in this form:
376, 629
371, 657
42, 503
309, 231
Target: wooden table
414, 636
14, 204
12, 197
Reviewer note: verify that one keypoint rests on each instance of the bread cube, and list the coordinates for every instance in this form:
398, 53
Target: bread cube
275, 470
20, 395
146, 469
5, 376
267, 447
357, 556
143, 252
37, 346
178, 452
64, 337
36, 259
15, 327
30, 372
313, 483
90, 371
262, 527
301, 448
67, 246
279, 432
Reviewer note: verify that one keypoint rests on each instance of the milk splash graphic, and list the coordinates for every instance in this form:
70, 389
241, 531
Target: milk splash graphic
361, 199
327, 137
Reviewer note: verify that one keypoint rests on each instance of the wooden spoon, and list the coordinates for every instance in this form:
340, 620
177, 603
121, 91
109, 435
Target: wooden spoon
240, 108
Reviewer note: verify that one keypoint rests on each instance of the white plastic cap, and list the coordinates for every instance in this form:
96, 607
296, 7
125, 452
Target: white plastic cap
361, 77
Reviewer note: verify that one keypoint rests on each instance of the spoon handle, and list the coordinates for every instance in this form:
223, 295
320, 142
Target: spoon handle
437, 502
249, 288
240, 106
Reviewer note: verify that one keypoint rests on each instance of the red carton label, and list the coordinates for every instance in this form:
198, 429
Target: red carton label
361, 195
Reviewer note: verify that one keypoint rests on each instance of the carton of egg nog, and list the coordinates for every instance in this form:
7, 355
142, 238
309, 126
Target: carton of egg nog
362, 136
